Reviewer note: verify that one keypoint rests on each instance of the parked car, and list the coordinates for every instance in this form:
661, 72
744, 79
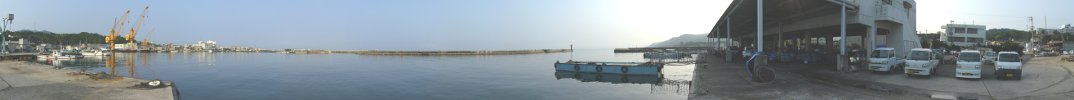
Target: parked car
884, 60
1008, 65
989, 57
969, 64
921, 61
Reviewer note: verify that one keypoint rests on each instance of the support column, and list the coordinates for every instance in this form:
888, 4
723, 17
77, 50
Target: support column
779, 41
762, 58
729, 52
717, 39
843, 61
871, 45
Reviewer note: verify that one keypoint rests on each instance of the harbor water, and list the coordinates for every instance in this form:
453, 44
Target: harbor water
278, 76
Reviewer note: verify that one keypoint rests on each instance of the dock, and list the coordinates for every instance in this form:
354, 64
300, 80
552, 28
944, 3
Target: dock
18, 56
20, 80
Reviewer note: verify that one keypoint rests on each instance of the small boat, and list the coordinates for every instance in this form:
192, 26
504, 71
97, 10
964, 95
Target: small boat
63, 55
94, 53
644, 68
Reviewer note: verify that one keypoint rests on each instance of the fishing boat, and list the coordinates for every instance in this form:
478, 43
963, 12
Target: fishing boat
61, 55
94, 53
644, 68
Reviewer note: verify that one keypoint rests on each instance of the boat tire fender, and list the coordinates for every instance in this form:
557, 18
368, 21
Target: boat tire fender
577, 68
599, 68
624, 69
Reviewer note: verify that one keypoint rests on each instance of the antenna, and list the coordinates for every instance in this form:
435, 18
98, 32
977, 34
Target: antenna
572, 53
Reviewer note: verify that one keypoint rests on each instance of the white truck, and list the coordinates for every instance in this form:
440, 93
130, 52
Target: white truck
969, 64
990, 57
884, 60
921, 61
1009, 65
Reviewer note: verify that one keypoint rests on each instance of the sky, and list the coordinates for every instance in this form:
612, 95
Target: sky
1013, 14
452, 24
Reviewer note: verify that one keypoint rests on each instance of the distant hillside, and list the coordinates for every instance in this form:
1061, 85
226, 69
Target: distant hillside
685, 40
61, 38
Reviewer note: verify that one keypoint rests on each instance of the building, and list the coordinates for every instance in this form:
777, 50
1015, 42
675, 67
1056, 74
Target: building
773, 26
964, 35
1062, 29
205, 45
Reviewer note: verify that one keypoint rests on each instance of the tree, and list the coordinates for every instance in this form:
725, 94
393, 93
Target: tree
60, 39
1006, 34
1008, 46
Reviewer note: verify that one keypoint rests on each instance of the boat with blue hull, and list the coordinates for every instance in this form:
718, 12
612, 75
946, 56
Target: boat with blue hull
643, 68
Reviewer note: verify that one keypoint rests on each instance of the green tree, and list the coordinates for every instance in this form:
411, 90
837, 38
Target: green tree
1006, 34
60, 39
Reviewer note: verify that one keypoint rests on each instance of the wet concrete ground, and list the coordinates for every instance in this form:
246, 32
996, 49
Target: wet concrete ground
715, 79
31, 81
1044, 78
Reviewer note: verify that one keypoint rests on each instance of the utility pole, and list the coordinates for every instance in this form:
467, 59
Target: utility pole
3, 37
1032, 34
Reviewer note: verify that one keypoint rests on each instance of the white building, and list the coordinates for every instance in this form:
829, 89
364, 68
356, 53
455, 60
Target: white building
1062, 29
210, 44
964, 35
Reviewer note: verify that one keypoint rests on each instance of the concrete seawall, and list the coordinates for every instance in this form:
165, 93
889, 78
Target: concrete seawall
20, 80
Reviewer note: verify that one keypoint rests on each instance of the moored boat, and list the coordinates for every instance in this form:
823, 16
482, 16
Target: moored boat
94, 53
610, 67
61, 55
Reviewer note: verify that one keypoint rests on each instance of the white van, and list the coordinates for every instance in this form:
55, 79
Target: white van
1009, 65
969, 64
884, 60
921, 61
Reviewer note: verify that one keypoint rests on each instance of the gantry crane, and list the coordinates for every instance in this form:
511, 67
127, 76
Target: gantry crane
134, 30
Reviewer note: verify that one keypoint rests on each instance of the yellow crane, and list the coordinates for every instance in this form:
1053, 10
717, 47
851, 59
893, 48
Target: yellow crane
134, 30
111, 39
145, 41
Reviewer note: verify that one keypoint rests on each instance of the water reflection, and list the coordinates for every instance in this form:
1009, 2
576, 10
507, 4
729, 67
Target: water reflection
118, 64
658, 84
609, 78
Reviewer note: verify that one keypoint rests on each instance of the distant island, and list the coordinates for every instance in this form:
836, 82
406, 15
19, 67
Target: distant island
685, 40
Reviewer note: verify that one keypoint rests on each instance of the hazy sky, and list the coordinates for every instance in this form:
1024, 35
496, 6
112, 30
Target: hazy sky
1014, 14
453, 24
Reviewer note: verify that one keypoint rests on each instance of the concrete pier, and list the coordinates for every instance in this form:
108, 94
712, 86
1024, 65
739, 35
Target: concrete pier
20, 80
715, 79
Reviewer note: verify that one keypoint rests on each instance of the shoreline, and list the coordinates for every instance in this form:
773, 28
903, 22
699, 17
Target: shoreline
433, 53
23, 80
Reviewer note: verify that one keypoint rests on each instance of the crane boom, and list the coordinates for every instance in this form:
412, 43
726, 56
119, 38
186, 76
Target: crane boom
134, 30
145, 40
112, 35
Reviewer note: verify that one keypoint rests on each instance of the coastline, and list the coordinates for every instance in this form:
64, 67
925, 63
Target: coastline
433, 53
22, 80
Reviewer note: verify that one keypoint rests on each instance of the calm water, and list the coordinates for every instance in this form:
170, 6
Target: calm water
272, 76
